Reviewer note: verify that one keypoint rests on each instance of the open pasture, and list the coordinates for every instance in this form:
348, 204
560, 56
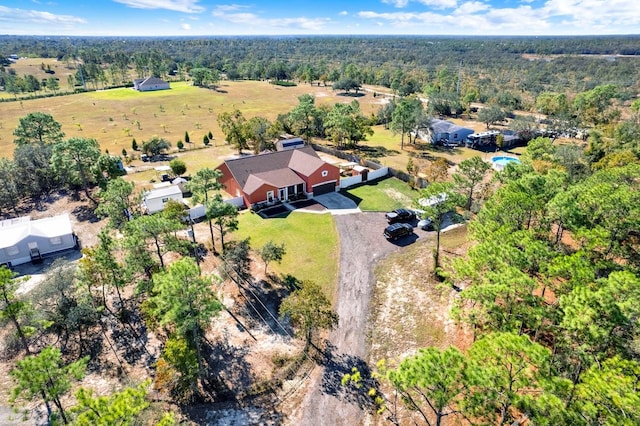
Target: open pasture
116, 116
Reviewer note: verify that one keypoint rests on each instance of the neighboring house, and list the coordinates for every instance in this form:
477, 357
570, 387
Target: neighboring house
150, 83
153, 201
24, 240
293, 143
446, 132
281, 175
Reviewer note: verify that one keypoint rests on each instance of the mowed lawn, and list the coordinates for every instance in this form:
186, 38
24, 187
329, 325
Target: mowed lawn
311, 241
383, 195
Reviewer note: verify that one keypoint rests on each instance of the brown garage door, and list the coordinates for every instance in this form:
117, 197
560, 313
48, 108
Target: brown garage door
324, 188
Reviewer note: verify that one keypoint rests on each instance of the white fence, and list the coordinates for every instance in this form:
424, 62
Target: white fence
196, 212
378, 173
199, 211
372, 175
238, 202
346, 182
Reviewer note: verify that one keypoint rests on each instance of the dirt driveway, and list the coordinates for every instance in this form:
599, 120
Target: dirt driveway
362, 245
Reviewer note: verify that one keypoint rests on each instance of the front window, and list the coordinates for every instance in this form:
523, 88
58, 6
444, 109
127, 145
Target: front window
55, 241
12, 251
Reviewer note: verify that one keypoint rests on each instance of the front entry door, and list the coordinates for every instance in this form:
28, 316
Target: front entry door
282, 193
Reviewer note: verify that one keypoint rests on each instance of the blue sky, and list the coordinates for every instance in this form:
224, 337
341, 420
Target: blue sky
412, 17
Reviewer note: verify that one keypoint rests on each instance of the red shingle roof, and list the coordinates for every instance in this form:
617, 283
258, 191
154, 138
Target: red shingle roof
275, 168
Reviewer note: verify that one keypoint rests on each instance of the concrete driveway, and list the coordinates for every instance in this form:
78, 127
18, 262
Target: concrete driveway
337, 203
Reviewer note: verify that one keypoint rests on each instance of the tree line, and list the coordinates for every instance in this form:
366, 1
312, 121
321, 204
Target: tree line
478, 67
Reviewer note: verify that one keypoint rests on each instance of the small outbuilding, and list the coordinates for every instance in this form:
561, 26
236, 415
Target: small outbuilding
154, 201
291, 143
149, 84
24, 240
181, 183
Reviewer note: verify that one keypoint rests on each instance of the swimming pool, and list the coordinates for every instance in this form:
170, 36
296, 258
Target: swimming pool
499, 163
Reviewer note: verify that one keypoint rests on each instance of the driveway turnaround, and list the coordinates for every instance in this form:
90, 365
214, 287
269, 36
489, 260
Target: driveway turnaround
337, 203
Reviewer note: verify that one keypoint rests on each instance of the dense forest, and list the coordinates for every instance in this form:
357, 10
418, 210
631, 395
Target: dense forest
476, 67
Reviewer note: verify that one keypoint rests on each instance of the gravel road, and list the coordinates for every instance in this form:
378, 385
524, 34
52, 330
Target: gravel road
362, 244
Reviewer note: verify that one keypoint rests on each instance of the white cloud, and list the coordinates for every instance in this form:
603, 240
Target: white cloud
440, 4
397, 3
343, 13
258, 23
37, 17
476, 17
185, 27
471, 7
230, 7
186, 6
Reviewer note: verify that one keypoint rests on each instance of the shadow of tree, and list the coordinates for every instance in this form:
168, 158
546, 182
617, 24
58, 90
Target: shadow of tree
228, 413
130, 335
229, 375
262, 304
351, 196
335, 367
85, 214
375, 151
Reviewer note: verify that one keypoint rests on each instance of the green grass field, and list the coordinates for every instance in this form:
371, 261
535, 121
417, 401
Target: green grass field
383, 195
114, 117
311, 241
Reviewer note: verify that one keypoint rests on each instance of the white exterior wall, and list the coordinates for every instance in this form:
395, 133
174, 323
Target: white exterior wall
44, 245
154, 200
151, 87
154, 205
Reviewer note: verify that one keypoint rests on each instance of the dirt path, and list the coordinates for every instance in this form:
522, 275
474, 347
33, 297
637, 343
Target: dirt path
362, 244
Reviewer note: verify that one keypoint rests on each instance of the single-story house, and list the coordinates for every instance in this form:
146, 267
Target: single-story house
150, 83
280, 175
24, 240
153, 201
446, 132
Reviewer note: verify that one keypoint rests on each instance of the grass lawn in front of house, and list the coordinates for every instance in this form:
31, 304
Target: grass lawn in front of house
311, 243
382, 195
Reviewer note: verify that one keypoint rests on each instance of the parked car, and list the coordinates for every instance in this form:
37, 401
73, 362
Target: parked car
400, 215
397, 230
426, 224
